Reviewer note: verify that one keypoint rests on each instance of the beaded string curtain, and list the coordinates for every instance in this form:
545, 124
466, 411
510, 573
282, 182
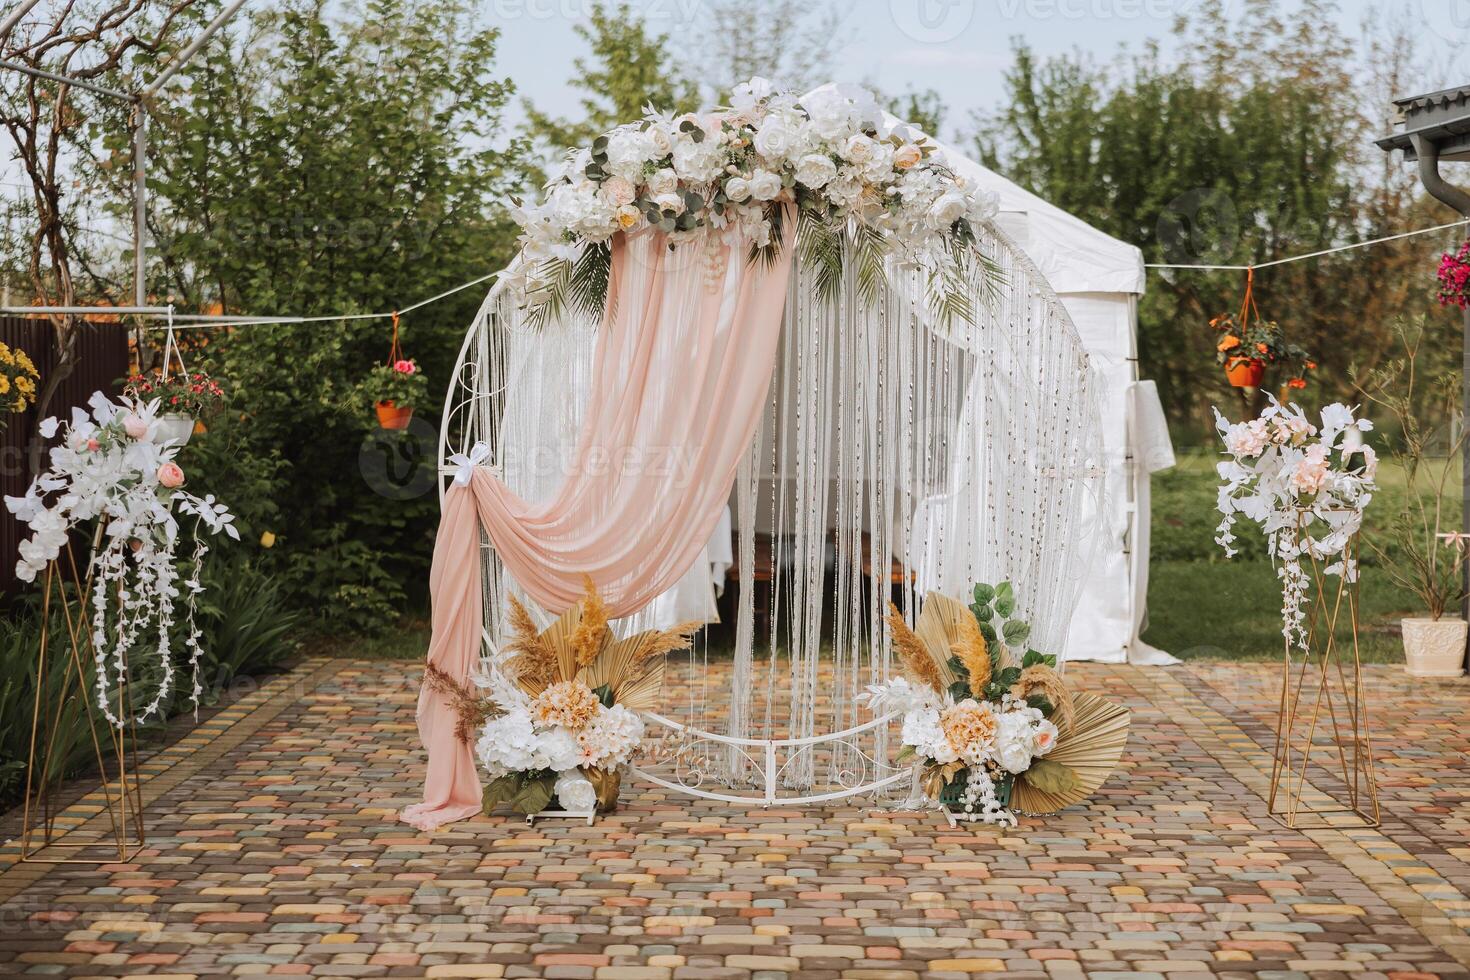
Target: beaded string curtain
897, 454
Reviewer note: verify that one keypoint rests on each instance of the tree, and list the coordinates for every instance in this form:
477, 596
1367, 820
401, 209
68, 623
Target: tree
1253, 145
313, 167
51, 126
791, 42
630, 68
924, 108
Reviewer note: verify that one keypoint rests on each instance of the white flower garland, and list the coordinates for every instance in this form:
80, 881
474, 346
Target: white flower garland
1305, 486
698, 176
107, 467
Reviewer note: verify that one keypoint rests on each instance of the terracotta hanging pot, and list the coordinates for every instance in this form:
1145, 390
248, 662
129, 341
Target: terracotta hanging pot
393, 417
1245, 372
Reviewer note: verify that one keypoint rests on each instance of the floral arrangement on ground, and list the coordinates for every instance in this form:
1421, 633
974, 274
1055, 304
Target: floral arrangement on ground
554, 717
110, 467
860, 192
991, 721
1306, 486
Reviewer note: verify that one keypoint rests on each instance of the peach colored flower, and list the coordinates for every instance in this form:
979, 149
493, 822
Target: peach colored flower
968, 725
135, 427
570, 704
907, 156
171, 475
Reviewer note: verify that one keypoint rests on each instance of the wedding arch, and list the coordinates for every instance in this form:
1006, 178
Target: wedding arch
888, 397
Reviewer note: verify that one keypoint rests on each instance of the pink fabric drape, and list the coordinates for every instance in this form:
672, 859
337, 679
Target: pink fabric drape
681, 371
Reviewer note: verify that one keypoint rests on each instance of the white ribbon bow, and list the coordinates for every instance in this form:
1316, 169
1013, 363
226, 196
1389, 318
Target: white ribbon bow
479, 452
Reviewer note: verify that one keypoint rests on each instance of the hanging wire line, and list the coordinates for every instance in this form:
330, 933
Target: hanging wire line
1308, 255
197, 321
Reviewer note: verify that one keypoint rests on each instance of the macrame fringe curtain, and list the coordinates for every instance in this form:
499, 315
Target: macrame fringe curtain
895, 454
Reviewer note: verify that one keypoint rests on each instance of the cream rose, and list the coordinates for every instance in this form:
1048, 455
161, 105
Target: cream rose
859, 149
737, 189
670, 202
907, 157
663, 182
629, 217
776, 138
619, 191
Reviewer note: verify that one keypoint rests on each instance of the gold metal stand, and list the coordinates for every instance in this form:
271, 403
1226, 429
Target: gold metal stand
1315, 681
115, 748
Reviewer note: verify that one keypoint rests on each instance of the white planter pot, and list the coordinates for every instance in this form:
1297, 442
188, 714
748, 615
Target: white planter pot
174, 430
1435, 647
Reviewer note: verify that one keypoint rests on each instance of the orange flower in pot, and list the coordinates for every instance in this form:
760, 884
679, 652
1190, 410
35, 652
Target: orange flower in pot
395, 388
1246, 349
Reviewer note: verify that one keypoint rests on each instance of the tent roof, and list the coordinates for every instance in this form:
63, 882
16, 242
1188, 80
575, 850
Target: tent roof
1074, 256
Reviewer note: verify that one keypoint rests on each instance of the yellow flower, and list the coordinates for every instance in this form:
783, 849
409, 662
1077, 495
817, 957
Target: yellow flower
26, 385
267, 539
4, 384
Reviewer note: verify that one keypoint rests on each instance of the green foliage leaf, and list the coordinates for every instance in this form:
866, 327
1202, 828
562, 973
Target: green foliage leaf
533, 795
1040, 703
984, 593
988, 631
500, 790
604, 694
1016, 632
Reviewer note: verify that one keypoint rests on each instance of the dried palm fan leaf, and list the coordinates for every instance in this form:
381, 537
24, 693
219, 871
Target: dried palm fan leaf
939, 625
1043, 680
558, 636
471, 708
914, 654
1091, 749
592, 633
970, 648
534, 661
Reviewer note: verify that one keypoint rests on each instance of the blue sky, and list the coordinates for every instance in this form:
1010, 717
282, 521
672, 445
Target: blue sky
958, 47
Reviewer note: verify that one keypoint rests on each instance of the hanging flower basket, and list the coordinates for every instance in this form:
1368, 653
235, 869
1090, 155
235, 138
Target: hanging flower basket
395, 387
393, 417
1245, 372
1454, 277
184, 398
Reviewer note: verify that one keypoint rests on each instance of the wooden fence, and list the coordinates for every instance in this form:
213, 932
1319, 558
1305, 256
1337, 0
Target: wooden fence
102, 360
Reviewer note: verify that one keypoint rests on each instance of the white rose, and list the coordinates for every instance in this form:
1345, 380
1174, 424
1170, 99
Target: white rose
764, 185
859, 149
747, 94
816, 170
619, 191
907, 156
670, 202
658, 138
947, 209
1013, 741
776, 138
575, 792
737, 189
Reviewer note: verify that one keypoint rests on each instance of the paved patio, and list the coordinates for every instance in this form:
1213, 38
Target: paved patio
273, 849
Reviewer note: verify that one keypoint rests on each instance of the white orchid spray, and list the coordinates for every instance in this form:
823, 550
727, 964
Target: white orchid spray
1305, 485
109, 468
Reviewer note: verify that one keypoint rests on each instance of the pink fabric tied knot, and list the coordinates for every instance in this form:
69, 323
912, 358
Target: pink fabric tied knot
680, 377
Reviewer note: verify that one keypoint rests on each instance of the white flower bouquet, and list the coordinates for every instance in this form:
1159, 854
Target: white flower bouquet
111, 467
1306, 486
858, 189
974, 715
559, 717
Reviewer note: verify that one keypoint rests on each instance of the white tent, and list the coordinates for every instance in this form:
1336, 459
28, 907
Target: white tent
1099, 280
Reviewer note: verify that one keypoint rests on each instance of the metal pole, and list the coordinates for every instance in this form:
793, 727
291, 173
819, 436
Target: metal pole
191, 50
1428, 153
140, 204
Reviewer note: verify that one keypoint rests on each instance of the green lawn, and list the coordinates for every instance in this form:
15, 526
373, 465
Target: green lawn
1201, 605
1204, 606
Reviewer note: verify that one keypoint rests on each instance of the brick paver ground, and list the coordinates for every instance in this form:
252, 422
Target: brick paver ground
273, 849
